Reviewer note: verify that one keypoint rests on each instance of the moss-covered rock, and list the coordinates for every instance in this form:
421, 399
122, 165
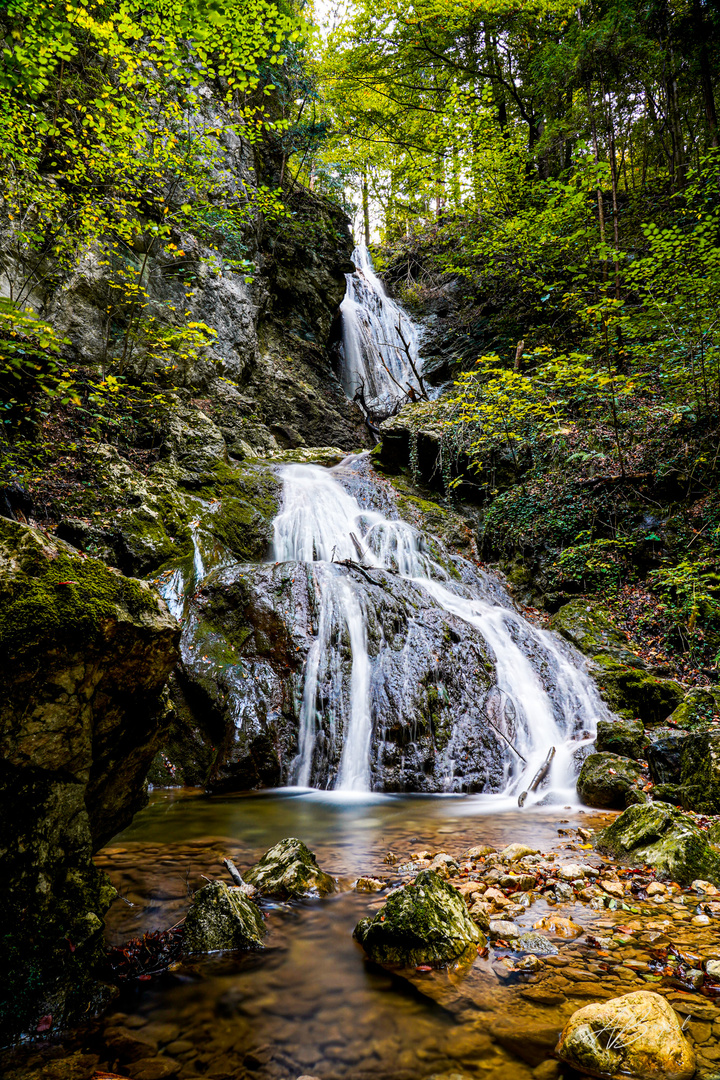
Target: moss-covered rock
664, 838
608, 781
698, 709
700, 771
222, 918
84, 655
623, 737
289, 871
628, 688
588, 626
632, 692
421, 923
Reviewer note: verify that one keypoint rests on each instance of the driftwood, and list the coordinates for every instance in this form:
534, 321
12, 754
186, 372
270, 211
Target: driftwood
539, 776
235, 874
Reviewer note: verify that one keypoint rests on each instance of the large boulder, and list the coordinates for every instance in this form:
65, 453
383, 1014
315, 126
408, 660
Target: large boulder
84, 656
421, 923
625, 738
700, 772
660, 836
700, 707
609, 782
222, 918
636, 1035
664, 758
289, 871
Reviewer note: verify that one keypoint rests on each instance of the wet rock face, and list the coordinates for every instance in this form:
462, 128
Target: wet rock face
289, 871
246, 639
608, 781
664, 838
84, 656
222, 918
634, 1035
664, 757
420, 923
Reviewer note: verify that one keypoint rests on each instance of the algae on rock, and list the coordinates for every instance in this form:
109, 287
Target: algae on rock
222, 918
421, 923
664, 838
289, 871
84, 656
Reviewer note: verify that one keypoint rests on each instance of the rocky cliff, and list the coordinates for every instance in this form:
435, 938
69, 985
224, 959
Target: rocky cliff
84, 657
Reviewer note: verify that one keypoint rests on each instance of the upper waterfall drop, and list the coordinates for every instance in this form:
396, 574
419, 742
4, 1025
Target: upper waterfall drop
379, 364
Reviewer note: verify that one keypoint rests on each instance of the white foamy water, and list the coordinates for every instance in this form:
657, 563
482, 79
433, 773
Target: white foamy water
321, 524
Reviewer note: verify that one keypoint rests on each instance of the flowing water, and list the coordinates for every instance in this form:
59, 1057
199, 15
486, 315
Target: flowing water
540, 698
379, 342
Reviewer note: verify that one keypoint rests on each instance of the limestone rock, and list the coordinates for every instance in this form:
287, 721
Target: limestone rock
660, 836
222, 918
420, 923
636, 1035
606, 781
289, 871
515, 852
560, 927
84, 655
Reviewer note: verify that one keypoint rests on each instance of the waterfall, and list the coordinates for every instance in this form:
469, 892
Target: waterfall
379, 341
541, 697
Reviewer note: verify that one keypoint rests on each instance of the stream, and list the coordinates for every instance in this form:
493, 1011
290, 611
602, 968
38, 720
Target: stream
413, 672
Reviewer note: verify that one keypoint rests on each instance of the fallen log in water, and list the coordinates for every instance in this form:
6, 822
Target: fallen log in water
539, 776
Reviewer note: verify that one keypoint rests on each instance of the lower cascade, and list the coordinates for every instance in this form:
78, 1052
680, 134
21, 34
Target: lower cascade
418, 661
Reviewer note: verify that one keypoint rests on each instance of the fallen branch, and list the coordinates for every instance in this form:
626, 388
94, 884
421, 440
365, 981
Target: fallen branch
539, 776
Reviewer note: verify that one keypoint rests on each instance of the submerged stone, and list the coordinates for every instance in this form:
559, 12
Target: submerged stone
420, 923
636, 1035
535, 944
289, 871
607, 780
222, 918
660, 836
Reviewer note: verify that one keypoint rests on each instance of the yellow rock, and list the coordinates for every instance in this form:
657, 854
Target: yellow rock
553, 924
637, 1035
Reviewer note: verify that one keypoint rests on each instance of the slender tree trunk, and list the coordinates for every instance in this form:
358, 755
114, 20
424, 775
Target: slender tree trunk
366, 208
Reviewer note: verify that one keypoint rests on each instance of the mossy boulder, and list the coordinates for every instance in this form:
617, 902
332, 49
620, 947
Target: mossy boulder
698, 709
84, 656
625, 738
289, 871
590, 629
626, 686
222, 918
633, 692
426, 922
608, 781
664, 838
700, 771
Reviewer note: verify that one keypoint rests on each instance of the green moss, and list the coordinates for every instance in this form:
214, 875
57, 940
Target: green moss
58, 595
420, 923
662, 837
632, 692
